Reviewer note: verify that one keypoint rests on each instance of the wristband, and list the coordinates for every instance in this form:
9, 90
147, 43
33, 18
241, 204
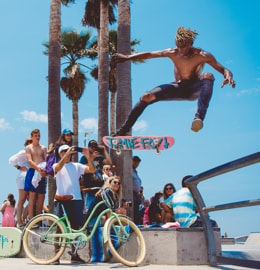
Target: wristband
18, 167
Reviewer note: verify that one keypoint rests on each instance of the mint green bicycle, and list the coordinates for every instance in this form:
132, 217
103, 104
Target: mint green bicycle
46, 236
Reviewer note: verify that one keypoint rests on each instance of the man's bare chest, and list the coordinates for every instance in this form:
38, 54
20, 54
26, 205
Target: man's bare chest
36, 152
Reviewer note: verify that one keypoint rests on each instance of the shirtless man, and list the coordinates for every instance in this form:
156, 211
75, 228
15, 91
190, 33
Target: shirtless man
36, 155
189, 83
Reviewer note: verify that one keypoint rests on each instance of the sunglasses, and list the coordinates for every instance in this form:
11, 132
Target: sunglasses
116, 182
107, 169
64, 151
169, 188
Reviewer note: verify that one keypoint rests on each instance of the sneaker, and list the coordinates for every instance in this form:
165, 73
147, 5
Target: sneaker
196, 125
76, 259
20, 226
36, 226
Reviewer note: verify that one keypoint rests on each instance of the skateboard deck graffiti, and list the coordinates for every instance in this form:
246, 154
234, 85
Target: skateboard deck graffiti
10, 241
156, 143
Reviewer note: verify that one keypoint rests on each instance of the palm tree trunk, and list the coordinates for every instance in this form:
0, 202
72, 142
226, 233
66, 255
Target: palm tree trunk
124, 97
112, 111
103, 72
54, 118
75, 116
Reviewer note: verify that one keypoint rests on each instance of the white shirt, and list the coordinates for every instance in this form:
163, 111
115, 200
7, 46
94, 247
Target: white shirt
19, 159
67, 179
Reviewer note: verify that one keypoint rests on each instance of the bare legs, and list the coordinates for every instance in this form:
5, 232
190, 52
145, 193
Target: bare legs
35, 206
21, 215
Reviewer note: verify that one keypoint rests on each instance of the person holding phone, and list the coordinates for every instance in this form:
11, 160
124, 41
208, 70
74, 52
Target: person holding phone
90, 180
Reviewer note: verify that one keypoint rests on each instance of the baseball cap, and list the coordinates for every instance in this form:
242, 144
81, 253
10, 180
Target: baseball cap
67, 131
136, 158
92, 143
63, 147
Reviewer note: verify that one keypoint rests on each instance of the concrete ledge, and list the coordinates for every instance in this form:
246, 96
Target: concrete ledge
180, 246
227, 241
173, 246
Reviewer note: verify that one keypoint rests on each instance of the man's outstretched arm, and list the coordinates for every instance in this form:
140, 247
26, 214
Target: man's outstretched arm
120, 58
228, 76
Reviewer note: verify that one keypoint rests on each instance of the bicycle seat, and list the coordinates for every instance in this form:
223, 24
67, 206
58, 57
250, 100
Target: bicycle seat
61, 198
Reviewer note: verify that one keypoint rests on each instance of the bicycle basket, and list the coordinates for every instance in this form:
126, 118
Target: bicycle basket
107, 198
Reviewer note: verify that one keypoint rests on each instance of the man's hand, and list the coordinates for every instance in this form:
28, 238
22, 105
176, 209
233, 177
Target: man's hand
42, 172
88, 154
228, 79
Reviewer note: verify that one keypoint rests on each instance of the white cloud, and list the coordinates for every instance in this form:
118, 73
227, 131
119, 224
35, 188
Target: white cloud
140, 125
32, 116
89, 123
4, 125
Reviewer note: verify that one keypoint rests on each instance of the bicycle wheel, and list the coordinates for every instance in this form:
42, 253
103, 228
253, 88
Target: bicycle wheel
126, 242
39, 241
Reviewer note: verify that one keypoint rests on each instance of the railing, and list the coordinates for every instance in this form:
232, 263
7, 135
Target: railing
192, 183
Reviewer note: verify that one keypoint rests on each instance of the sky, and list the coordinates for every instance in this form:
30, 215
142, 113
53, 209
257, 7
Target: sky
227, 29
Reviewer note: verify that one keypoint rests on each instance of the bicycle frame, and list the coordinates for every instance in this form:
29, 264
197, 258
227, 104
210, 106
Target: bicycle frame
72, 236
119, 235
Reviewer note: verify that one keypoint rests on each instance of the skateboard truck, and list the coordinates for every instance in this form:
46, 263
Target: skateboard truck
155, 143
118, 147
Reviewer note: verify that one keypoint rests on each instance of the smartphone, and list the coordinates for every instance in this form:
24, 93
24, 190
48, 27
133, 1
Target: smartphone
78, 149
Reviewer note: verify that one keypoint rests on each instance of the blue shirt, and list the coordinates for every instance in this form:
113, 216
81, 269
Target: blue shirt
137, 182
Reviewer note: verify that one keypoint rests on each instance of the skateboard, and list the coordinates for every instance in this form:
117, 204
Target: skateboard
121, 143
10, 241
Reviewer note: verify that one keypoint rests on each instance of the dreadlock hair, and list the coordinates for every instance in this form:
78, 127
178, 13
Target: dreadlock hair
185, 35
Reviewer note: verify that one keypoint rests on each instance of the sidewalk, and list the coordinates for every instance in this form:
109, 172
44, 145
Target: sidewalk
26, 264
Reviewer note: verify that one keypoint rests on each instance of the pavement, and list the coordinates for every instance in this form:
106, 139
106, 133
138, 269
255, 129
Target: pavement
27, 264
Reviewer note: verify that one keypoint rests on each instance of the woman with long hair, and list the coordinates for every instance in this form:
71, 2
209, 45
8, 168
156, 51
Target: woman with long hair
166, 203
8, 210
113, 192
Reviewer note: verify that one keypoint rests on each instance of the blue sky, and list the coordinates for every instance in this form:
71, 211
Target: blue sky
227, 29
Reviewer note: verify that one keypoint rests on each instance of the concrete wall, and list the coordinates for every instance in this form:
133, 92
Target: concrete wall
178, 246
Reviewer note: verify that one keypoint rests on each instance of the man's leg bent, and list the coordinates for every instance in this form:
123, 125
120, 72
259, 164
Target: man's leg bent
203, 101
161, 92
132, 117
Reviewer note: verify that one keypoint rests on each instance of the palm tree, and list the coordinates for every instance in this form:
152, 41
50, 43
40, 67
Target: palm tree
124, 97
54, 119
103, 72
112, 75
98, 14
75, 47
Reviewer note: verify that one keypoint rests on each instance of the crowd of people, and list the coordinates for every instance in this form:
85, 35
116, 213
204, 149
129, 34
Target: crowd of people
78, 186
167, 207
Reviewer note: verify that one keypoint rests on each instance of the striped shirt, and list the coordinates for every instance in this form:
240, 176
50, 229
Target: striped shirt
183, 206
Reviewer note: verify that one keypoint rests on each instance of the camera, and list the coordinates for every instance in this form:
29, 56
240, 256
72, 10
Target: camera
78, 149
99, 149
129, 203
